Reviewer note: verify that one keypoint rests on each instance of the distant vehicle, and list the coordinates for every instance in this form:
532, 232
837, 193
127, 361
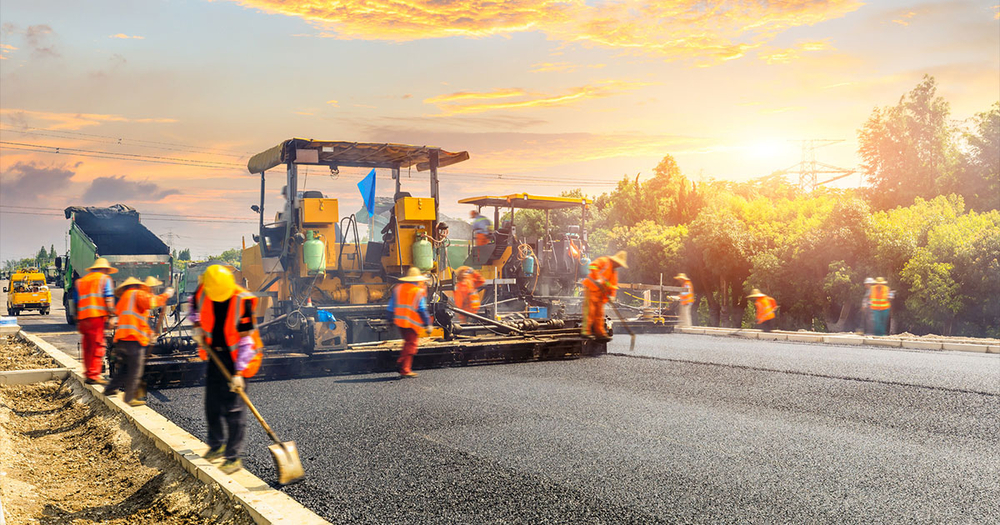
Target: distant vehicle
116, 234
28, 291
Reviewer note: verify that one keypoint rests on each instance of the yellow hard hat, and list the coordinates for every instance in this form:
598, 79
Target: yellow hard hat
755, 293
219, 283
620, 259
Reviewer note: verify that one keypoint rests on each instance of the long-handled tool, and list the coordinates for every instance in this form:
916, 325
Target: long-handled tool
631, 346
285, 454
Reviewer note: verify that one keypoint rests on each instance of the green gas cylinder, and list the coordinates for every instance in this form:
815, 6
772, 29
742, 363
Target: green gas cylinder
423, 253
314, 253
528, 266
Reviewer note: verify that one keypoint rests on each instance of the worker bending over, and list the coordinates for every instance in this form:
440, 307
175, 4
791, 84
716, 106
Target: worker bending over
880, 304
95, 308
135, 300
408, 307
467, 282
225, 316
767, 309
686, 299
601, 286
481, 228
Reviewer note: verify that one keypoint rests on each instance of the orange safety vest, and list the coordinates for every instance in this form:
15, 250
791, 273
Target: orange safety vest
207, 322
133, 322
407, 297
602, 278
687, 296
90, 301
878, 298
765, 308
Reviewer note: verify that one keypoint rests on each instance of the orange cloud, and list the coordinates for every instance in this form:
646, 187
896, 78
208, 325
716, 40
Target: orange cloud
69, 121
4, 49
561, 67
784, 56
124, 36
469, 102
333, 103
685, 29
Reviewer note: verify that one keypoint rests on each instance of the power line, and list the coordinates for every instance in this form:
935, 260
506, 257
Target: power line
161, 219
120, 140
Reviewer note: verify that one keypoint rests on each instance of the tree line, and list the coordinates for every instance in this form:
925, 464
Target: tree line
927, 221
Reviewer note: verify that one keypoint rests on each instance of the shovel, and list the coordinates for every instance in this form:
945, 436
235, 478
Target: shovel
631, 346
285, 454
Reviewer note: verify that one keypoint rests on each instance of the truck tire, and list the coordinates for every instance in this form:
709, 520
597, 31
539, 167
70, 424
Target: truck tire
70, 314
45, 311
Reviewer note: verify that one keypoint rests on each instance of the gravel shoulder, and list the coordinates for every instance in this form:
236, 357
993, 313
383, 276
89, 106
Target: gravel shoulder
16, 354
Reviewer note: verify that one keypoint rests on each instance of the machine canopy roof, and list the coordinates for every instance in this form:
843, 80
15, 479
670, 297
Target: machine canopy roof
351, 154
528, 202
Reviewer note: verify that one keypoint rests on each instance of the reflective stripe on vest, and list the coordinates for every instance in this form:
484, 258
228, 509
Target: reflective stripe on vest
879, 297
687, 296
407, 312
90, 300
132, 325
765, 308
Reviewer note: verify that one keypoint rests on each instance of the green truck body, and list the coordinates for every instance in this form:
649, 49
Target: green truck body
116, 234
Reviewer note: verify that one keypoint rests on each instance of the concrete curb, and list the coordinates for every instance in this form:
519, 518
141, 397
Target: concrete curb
840, 339
27, 377
264, 504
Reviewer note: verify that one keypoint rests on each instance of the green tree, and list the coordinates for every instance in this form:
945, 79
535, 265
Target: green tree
52, 251
979, 178
907, 150
185, 255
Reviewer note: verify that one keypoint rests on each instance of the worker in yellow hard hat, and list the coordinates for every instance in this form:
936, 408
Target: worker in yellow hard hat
767, 310
94, 299
408, 308
467, 283
227, 327
135, 300
879, 301
601, 285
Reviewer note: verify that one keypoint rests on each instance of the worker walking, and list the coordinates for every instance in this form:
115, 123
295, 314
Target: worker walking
879, 303
686, 299
95, 309
601, 286
866, 311
408, 307
467, 282
227, 328
135, 300
767, 309
481, 228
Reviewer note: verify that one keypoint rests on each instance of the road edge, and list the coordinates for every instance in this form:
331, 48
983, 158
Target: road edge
265, 505
842, 339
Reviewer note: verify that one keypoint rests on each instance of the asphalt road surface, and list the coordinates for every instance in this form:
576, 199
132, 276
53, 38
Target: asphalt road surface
687, 429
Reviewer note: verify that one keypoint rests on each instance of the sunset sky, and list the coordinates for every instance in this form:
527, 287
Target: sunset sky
159, 104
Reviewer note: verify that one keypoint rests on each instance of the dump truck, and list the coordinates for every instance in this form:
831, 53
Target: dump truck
324, 287
117, 234
28, 291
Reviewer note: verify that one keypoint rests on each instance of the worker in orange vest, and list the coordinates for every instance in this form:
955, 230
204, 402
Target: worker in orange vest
880, 304
601, 285
228, 328
95, 307
686, 299
767, 310
408, 307
135, 300
481, 227
467, 281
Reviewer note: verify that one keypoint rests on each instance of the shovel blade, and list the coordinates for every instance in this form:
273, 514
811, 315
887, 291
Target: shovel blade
631, 345
286, 459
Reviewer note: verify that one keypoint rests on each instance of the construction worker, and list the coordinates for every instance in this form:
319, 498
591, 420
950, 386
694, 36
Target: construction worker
95, 309
880, 304
767, 309
228, 329
467, 281
601, 286
481, 228
135, 300
686, 299
866, 311
408, 307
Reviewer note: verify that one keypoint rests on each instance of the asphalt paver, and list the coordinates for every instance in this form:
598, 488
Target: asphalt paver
689, 429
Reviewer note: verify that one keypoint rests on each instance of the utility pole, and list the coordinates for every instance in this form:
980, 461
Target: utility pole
809, 168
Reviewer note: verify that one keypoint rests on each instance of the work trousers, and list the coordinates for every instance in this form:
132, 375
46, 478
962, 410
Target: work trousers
880, 322
768, 325
225, 407
92, 341
410, 339
129, 372
593, 314
684, 315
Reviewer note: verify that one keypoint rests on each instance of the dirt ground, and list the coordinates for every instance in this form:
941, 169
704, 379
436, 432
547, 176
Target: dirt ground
18, 355
63, 461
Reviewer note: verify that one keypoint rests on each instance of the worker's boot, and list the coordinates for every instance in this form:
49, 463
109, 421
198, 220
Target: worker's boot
215, 453
230, 466
408, 374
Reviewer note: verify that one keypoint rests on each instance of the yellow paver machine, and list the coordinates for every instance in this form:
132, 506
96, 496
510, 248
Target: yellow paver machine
325, 287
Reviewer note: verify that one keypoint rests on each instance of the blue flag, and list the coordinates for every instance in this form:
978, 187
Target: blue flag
367, 189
